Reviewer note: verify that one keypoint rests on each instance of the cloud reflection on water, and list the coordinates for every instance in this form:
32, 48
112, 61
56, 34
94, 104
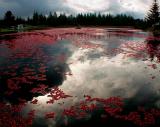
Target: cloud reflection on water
93, 68
101, 75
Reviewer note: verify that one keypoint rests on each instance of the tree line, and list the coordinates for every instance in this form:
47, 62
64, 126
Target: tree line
89, 19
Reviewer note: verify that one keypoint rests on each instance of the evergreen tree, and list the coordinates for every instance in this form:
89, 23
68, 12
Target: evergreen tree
20, 20
35, 18
153, 15
9, 18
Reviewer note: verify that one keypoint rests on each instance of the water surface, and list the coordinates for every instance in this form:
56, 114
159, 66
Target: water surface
79, 77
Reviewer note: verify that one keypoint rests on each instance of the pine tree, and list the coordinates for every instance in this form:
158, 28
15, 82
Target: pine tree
35, 18
153, 15
9, 18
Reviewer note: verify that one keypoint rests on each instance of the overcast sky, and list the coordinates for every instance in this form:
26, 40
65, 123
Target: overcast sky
136, 8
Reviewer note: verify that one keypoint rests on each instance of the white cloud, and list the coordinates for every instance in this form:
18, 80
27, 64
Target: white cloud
137, 8
87, 5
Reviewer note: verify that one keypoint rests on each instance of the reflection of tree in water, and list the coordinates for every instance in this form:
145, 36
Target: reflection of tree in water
153, 46
15, 89
32, 66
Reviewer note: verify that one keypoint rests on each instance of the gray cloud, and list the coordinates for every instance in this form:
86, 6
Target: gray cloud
137, 8
27, 7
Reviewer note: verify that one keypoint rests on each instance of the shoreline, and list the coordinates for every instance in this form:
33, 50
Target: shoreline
4, 31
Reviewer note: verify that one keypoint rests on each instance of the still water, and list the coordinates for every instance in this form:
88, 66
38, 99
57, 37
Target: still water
87, 77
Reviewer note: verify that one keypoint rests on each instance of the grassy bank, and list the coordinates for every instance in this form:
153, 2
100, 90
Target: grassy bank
26, 28
39, 27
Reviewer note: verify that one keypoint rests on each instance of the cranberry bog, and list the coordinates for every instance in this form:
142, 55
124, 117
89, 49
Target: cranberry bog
88, 77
